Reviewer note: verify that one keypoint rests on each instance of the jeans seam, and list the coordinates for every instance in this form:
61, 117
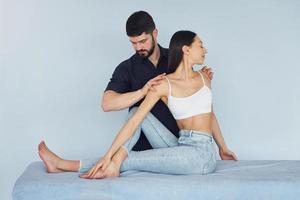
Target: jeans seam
162, 157
207, 164
129, 142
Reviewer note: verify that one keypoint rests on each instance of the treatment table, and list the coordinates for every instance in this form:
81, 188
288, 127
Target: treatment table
240, 180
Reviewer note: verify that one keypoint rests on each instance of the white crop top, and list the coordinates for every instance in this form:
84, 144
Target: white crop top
198, 103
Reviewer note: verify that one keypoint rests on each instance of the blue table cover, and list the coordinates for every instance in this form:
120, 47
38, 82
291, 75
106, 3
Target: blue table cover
242, 180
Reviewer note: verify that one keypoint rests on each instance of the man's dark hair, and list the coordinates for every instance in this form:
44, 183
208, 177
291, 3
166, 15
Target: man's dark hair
138, 23
178, 40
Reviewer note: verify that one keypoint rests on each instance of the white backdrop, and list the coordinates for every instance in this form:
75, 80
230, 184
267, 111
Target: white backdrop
57, 57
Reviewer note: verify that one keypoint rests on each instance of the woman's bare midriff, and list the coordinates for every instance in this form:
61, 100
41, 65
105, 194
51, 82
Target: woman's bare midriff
200, 122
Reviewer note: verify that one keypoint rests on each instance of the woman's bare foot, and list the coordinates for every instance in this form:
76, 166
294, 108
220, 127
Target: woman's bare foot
111, 171
49, 158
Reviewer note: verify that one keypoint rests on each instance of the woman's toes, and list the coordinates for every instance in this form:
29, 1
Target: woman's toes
43, 144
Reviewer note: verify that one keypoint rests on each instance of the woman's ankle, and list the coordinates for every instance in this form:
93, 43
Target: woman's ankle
68, 165
119, 157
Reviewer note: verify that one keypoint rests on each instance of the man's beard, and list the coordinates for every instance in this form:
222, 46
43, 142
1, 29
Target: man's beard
147, 53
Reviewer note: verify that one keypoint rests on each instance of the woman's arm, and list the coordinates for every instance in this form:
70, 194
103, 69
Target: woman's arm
130, 126
216, 131
224, 152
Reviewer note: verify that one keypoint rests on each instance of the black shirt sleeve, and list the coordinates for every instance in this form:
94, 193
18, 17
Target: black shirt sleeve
119, 81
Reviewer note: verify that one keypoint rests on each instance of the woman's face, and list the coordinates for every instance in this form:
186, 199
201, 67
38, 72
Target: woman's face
197, 51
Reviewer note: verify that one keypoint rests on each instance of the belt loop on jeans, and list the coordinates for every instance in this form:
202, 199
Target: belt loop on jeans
190, 133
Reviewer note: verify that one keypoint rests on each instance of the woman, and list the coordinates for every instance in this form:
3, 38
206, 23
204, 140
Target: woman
188, 96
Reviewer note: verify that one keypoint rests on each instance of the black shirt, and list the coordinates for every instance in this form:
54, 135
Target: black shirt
131, 75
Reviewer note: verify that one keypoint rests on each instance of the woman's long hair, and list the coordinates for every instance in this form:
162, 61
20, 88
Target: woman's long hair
178, 40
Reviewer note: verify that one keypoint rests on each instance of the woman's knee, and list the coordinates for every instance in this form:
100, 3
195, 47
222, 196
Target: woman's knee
131, 112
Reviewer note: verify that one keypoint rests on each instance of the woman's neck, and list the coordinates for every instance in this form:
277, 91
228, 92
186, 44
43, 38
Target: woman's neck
184, 71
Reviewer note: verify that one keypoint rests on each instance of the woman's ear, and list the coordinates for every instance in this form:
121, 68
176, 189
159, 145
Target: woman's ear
185, 50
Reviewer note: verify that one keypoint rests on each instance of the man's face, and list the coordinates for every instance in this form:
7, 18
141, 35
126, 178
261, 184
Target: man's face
143, 44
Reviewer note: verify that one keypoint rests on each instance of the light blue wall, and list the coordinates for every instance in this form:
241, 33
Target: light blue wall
57, 57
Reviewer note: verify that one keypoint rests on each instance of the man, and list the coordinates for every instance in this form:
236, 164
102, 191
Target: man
134, 77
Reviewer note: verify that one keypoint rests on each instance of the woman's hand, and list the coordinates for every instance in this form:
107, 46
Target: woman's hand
226, 154
100, 166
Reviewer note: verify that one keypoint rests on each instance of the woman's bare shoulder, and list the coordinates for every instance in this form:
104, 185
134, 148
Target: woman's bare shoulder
171, 76
162, 88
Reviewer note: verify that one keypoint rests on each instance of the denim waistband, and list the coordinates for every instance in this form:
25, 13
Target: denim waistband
193, 133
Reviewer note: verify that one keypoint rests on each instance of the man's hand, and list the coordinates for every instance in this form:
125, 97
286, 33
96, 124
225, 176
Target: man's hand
226, 154
208, 72
153, 82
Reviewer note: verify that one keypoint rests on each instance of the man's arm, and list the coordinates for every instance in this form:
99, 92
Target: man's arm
113, 101
208, 72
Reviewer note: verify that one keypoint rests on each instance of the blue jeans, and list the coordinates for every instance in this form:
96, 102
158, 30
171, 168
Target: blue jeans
192, 153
